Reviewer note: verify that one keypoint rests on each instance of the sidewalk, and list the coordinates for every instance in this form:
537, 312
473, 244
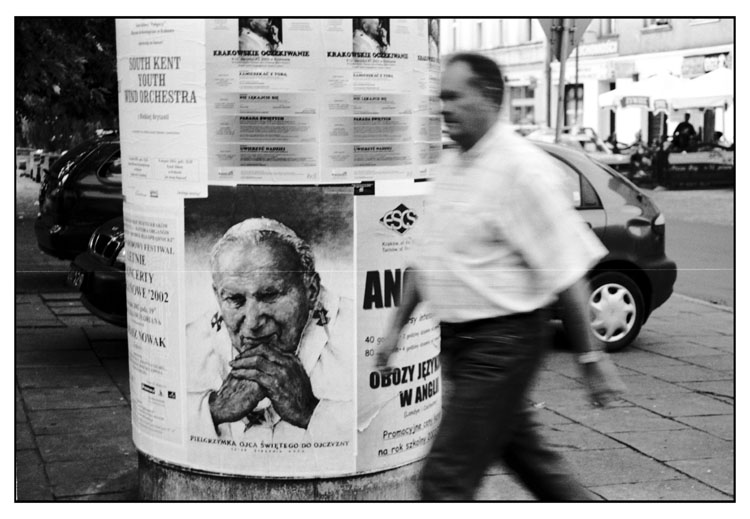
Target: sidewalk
672, 439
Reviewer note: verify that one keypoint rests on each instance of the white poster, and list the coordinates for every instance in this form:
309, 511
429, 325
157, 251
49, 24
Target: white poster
153, 259
398, 414
161, 70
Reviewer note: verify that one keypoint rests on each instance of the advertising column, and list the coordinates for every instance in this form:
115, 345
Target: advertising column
272, 178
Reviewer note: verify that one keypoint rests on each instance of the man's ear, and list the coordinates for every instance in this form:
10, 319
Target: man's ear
313, 287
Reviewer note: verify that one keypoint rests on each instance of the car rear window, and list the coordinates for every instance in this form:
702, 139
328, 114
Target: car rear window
72, 157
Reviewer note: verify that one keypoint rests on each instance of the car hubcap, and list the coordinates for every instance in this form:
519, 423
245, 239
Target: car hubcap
612, 312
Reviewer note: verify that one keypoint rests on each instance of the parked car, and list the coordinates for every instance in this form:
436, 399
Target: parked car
80, 191
99, 273
586, 140
636, 276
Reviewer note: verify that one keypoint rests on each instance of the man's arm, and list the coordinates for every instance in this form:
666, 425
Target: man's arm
410, 298
601, 375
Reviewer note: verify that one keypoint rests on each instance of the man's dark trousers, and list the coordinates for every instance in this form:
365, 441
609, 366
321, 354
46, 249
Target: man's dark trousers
490, 365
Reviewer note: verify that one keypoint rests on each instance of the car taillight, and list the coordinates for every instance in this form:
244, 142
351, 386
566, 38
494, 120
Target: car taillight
658, 224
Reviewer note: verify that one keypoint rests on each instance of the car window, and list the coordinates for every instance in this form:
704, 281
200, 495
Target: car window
70, 158
579, 189
98, 161
111, 170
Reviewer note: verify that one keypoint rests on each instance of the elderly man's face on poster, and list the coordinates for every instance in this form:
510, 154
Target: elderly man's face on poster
262, 295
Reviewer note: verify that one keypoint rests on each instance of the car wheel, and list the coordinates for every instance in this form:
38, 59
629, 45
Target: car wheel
617, 310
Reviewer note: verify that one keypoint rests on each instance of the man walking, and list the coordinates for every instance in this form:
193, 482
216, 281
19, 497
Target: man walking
500, 243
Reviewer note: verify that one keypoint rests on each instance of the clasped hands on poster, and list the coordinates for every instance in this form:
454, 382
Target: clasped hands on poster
263, 372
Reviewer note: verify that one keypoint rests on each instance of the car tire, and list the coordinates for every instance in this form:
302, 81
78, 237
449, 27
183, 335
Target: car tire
617, 310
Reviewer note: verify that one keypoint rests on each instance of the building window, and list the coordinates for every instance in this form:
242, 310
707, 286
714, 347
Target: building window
652, 23
524, 34
606, 27
522, 105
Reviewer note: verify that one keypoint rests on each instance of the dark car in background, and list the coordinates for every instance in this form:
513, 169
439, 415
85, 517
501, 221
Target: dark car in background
627, 285
99, 273
79, 192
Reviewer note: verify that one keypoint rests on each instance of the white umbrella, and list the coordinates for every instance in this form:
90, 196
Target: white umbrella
709, 90
653, 93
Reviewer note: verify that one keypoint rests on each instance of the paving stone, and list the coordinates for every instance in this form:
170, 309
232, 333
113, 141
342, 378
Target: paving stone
24, 436
672, 490
616, 466
620, 419
32, 359
107, 420
97, 475
18, 406
633, 359
685, 444
724, 343
106, 332
71, 447
502, 488
681, 404
715, 472
552, 380
720, 426
648, 385
64, 313
719, 388
716, 362
574, 437
684, 373
39, 324
80, 321
55, 306
118, 370
33, 310
73, 398
61, 296
106, 349
62, 376
680, 350
560, 397
39, 340
31, 479
547, 417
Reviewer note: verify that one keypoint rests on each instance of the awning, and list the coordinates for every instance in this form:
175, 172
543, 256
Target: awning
654, 93
713, 89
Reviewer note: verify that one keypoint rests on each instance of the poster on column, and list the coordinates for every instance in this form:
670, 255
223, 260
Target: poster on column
428, 121
270, 331
262, 81
153, 259
398, 413
367, 108
161, 69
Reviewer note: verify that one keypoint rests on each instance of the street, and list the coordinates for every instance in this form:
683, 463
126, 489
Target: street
670, 439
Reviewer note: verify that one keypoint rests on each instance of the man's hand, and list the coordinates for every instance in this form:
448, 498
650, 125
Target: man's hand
284, 380
235, 399
385, 350
604, 383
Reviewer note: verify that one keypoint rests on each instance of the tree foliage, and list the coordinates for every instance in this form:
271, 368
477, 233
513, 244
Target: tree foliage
65, 80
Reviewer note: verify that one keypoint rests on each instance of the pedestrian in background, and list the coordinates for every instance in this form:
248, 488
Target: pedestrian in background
501, 243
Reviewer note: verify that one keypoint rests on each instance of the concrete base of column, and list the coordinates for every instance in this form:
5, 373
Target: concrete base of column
160, 481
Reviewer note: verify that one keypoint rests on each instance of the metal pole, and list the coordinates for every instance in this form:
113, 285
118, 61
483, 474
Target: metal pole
561, 86
548, 77
576, 87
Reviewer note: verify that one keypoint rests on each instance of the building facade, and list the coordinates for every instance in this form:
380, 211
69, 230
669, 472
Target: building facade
611, 53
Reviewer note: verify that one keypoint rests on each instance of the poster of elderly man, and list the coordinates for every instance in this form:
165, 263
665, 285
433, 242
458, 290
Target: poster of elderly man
269, 336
